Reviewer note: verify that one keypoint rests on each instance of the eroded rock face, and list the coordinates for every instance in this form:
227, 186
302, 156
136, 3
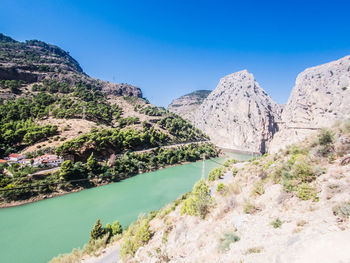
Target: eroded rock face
239, 114
187, 105
320, 97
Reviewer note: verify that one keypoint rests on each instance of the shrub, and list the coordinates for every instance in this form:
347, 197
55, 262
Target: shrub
258, 188
307, 192
325, 137
249, 208
215, 174
268, 164
234, 172
229, 162
254, 250
342, 210
302, 169
197, 204
276, 223
227, 240
221, 188
137, 235
116, 228
296, 171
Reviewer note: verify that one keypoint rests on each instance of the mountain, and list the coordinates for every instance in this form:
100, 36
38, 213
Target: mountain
238, 114
35, 61
187, 105
321, 96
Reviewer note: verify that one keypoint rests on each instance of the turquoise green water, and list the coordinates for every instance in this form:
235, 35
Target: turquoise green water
37, 232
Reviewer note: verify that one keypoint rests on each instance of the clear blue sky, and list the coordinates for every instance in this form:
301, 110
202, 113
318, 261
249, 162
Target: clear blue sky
169, 48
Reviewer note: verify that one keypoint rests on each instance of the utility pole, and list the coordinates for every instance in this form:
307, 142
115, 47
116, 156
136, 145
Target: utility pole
203, 166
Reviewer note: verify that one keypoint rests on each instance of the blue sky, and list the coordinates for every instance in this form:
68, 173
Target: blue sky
169, 48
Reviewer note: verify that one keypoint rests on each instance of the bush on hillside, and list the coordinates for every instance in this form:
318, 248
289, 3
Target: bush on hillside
325, 137
342, 210
221, 188
216, 174
197, 204
307, 192
137, 235
226, 240
277, 223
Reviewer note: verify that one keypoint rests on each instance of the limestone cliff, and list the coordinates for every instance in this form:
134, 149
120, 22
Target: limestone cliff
320, 97
238, 114
187, 105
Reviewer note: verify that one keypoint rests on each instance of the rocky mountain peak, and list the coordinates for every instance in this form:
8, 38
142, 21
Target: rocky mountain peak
320, 97
238, 114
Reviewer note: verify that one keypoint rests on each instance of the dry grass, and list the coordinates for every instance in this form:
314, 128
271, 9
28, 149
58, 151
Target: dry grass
93, 248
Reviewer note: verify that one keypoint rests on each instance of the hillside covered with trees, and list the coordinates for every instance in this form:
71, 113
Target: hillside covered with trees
44, 95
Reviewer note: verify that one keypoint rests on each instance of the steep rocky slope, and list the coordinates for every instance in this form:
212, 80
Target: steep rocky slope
187, 105
320, 97
238, 114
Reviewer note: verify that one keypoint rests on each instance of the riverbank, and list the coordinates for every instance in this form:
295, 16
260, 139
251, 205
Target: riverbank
56, 194
104, 179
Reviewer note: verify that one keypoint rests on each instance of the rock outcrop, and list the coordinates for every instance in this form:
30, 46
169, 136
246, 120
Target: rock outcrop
239, 114
320, 97
187, 105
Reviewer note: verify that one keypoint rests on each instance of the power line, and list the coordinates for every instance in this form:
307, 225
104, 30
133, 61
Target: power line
215, 161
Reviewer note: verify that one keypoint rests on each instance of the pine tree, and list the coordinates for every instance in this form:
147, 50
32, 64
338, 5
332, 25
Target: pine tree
98, 231
92, 163
66, 170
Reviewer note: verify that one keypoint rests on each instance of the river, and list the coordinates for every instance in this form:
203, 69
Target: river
37, 232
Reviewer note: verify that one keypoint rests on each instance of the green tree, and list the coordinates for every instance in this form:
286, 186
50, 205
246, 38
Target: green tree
97, 231
92, 164
116, 228
108, 229
67, 170
197, 203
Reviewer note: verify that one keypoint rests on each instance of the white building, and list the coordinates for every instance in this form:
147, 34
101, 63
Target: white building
14, 157
48, 160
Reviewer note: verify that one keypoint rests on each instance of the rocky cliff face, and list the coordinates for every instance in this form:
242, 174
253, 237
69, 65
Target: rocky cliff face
34, 61
320, 97
187, 105
238, 114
